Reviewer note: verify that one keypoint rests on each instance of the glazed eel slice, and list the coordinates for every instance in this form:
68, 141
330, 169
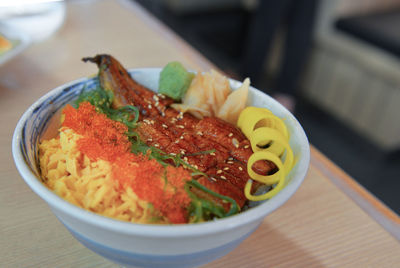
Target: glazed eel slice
176, 133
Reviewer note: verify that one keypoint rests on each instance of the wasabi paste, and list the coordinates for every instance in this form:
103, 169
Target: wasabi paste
174, 80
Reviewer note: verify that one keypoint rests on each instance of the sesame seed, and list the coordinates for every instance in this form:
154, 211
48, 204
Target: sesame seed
164, 126
156, 145
177, 141
219, 171
172, 154
214, 179
162, 114
185, 159
149, 106
230, 162
183, 151
161, 96
223, 177
235, 142
226, 168
230, 158
230, 135
199, 133
240, 168
196, 167
155, 97
246, 146
180, 126
181, 137
149, 139
146, 121
212, 154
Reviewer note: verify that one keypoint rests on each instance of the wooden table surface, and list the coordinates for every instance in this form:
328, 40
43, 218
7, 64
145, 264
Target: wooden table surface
331, 221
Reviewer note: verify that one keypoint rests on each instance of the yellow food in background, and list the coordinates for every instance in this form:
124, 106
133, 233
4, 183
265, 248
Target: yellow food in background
86, 183
269, 139
5, 44
211, 95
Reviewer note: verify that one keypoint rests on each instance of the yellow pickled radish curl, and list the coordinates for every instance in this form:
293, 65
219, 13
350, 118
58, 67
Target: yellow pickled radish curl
269, 139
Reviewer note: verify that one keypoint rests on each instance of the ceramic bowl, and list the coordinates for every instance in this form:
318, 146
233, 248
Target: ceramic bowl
139, 245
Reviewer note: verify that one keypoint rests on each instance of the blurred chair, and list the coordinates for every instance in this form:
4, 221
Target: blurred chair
351, 76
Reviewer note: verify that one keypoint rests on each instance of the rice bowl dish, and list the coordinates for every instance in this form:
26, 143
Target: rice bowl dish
149, 245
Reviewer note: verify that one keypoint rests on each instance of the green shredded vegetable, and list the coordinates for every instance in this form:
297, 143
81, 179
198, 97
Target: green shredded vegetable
205, 209
102, 100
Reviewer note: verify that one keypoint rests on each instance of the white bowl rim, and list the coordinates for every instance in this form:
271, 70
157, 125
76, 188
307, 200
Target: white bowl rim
153, 230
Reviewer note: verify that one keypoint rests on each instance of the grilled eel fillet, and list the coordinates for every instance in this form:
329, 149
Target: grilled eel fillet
181, 133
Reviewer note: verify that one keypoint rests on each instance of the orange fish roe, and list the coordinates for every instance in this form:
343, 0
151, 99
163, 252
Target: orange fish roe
102, 137
162, 187
105, 139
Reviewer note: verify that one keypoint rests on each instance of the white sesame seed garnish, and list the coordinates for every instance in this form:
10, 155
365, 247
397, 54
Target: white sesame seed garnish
156, 145
230, 135
155, 97
146, 121
149, 106
214, 179
149, 139
230, 162
164, 126
212, 154
235, 142
181, 137
219, 171
173, 120
195, 166
199, 133
230, 158
223, 177
226, 168
161, 96
173, 154
177, 141
180, 126
246, 146
240, 168
185, 159
183, 151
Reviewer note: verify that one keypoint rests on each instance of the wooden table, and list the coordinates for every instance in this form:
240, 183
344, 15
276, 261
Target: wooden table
330, 222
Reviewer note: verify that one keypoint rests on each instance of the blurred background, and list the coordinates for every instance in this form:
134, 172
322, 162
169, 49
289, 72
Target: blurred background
336, 62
